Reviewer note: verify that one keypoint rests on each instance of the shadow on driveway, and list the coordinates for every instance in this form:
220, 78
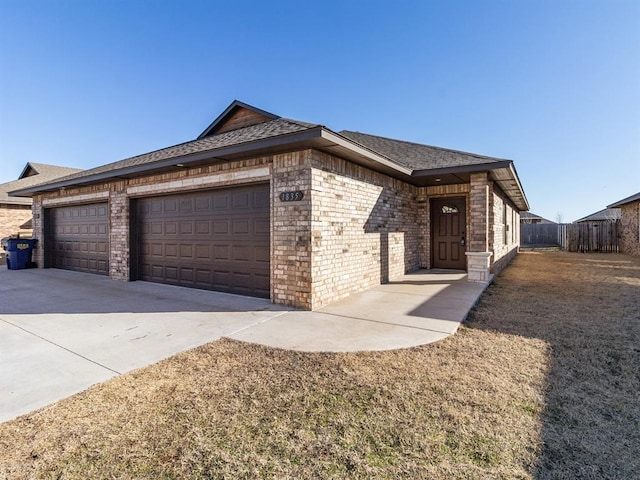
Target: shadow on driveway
33, 291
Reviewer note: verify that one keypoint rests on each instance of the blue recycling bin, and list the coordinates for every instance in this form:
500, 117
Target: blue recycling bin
19, 251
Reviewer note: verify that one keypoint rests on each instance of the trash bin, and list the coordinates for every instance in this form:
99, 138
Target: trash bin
19, 252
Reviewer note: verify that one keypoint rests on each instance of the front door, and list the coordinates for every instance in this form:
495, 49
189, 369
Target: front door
448, 220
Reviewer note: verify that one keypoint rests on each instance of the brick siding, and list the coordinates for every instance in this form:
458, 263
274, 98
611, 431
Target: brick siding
630, 218
365, 228
506, 227
11, 217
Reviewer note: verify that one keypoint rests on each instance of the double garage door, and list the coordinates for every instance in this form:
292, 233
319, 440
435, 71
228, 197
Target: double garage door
213, 240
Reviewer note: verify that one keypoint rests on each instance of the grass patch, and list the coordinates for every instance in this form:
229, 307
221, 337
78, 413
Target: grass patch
541, 383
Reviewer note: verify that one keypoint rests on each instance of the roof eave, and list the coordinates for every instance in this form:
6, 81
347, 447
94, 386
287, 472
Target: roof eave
217, 154
317, 137
503, 173
631, 199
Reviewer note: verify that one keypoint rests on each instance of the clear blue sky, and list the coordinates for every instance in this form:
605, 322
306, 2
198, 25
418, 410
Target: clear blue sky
552, 84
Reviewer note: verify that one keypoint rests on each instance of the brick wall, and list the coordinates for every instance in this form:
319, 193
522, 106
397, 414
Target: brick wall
365, 228
504, 240
630, 218
11, 217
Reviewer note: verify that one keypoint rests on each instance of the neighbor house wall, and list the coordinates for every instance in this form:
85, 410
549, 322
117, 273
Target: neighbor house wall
630, 221
11, 217
365, 228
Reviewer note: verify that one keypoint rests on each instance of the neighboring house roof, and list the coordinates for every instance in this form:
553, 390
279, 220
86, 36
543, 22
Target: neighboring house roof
32, 174
528, 216
624, 201
242, 130
608, 214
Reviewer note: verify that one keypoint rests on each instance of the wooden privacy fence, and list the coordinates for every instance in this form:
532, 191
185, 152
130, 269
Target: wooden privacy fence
573, 237
592, 237
540, 234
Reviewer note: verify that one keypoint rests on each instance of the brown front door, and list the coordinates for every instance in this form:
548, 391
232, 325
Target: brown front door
448, 217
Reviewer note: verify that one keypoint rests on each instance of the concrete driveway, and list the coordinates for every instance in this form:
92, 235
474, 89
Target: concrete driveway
61, 331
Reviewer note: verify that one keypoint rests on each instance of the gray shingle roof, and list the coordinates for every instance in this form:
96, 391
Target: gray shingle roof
417, 156
274, 128
607, 214
412, 160
46, 173
528, 216
624, 201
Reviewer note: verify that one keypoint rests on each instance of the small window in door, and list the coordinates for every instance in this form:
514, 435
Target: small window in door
449, 209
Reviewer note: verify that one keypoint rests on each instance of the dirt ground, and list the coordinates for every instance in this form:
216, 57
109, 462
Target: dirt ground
542, 382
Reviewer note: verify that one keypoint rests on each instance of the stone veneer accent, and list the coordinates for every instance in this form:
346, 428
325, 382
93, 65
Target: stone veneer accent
479, 266
630, 220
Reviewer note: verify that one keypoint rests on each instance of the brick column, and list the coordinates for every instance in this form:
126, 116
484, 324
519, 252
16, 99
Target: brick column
479, 208
478, 253
119, 253
291, 231
38, 231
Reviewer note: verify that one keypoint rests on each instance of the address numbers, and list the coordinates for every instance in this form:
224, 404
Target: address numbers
291, 196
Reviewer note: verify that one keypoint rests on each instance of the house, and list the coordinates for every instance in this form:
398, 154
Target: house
629, 223
608, 215
15, 212
531, 218
272, 207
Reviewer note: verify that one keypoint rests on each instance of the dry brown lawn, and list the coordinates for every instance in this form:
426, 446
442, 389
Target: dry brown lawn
542, 382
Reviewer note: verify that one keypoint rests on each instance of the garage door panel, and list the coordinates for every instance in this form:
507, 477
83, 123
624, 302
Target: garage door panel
78, 238
203, 227
240, 227
221, 240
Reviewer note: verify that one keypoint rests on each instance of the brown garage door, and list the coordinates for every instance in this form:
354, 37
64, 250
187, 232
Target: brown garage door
214, 240
78, 238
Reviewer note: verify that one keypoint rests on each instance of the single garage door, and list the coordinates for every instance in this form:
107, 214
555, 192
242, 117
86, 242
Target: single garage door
78, 238
213, 240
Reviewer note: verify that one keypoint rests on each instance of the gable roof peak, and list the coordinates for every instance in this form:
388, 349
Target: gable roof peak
237, 115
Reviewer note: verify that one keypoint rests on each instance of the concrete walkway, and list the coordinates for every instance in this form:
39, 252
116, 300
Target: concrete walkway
61, 331
422, 307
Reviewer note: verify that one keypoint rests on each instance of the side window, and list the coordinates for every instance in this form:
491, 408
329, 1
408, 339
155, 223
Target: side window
505, 224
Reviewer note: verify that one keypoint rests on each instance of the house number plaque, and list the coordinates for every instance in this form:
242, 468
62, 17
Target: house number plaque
291, 196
